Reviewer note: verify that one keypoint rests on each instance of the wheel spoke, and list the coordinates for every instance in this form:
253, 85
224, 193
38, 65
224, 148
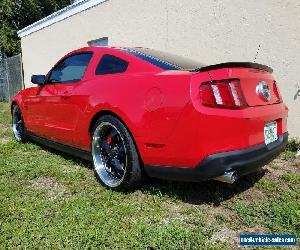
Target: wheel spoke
114, 137
20, 125
105, 146
118, 167
121, 148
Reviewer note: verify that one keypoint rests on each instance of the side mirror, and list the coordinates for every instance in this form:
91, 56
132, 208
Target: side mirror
38, 79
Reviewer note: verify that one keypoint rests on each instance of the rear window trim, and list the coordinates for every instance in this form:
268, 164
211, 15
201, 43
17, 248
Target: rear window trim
145, 57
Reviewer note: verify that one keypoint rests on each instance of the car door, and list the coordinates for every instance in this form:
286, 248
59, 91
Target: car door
58, 104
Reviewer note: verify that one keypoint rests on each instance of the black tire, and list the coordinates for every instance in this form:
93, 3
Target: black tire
18, 124
123, 152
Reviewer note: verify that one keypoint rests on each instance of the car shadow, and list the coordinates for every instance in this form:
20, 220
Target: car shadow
66, 156
195, 193
208, 192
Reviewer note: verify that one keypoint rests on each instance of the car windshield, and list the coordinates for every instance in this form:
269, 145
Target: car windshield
163, 59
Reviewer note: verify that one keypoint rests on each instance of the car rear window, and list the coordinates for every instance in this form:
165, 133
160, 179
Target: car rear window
164, 60
110, 64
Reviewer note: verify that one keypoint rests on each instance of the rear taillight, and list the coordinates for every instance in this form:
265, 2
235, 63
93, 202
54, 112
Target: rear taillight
276, 92
222, 94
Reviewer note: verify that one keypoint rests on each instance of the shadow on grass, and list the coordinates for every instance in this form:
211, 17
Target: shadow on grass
68, 157
196, 193
208, 192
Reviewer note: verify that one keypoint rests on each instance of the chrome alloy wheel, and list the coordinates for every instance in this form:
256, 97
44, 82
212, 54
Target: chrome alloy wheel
18, 123
109, 154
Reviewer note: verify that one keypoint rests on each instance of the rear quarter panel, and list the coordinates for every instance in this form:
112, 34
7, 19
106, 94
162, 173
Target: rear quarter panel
148, 103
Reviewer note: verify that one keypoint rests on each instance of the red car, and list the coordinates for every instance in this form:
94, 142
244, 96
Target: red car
138, 111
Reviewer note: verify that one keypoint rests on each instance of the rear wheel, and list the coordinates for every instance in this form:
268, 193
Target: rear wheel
115, 157
18, 125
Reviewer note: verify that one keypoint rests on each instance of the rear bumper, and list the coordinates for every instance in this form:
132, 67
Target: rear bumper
243, 161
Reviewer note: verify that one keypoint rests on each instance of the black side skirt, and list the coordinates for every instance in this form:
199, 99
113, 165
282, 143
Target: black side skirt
60, 147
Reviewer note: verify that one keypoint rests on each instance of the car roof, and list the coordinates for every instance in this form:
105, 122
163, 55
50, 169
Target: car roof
94, 48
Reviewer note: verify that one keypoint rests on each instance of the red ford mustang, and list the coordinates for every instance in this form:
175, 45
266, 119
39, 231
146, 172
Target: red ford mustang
138, 111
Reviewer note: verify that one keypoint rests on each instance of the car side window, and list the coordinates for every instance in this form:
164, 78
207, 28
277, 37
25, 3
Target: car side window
70, 69
110, 64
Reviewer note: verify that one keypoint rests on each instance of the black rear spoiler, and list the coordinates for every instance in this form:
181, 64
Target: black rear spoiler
234, 65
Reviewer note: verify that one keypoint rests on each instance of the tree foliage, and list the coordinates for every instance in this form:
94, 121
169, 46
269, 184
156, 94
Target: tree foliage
17, 14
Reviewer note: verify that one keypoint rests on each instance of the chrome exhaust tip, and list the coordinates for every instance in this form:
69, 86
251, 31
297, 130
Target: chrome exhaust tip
228, 177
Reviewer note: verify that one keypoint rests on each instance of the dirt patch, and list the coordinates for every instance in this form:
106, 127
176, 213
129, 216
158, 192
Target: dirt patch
274, 173
3, 130
252, 230
52, 188
4, 140
225, 235
185, 213
139, 195
175, 213
252, 195
212, 213
207, 213
296, 163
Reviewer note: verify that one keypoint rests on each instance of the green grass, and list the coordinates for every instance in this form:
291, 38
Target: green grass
267, 185
280, 215
290, 151
52, 200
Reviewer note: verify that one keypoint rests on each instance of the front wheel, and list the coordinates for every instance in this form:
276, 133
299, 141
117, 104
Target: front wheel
115, 157
18, 125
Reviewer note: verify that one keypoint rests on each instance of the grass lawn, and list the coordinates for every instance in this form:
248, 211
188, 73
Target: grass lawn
52, 200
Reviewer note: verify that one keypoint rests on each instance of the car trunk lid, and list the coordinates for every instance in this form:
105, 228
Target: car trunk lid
256, 81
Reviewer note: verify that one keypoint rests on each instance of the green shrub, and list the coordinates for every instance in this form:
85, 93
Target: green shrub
293, 145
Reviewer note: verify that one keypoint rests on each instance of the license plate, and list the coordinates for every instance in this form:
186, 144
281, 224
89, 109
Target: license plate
270, 132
